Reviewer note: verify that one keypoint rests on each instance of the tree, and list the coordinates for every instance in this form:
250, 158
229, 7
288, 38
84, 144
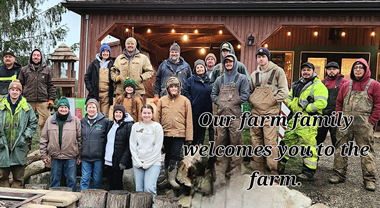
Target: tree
24, 27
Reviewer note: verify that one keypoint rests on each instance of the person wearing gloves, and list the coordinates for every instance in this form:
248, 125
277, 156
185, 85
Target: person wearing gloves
174, 66
359, 98
309, 96
174, 114
94, 137
98, 79
145, 144
117, 154
131, 100
229, 91
61, 140
198, 91
38, 87
18, 124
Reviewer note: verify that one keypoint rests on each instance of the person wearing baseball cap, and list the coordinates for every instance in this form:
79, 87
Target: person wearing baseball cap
333, 82
9, 71
174, 66
17, 130
131, 64
309, 96
98, 79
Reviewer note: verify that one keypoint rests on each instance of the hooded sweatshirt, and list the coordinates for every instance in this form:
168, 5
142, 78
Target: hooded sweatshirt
241, 68
359, 85
229, 79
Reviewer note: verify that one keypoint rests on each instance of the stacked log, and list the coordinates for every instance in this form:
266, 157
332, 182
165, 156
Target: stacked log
166, 202
141, 200
118, 198
93, 198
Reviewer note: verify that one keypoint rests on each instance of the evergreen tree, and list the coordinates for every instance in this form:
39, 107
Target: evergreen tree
24, 27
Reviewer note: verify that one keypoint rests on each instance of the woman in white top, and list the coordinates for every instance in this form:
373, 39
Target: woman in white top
145, 145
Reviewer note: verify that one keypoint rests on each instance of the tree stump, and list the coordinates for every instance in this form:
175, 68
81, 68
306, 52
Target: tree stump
93, 198
165, 202
141, 200
61, 188
118, 198
36, 186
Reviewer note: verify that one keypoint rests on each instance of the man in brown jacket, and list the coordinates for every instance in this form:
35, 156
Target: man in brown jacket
38, 89
174, 114
61, 140
131, 64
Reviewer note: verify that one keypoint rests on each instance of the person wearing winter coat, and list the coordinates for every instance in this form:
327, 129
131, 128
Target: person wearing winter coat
359, 98
174, 114
145, 144
131, 100
117, 153
198, 91
94, 137
61, 140
18, 124
98, 79
8, 72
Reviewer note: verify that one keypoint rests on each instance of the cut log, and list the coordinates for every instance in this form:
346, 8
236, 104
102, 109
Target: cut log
33, 169
61, 188
36, 186
165, 202
118, 198
93, 198
141, 200
32, 157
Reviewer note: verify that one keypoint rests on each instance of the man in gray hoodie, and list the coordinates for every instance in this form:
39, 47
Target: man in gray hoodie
229, 91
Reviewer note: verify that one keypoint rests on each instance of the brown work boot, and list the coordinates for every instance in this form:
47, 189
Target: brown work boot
336, 179
370, 186
305, 177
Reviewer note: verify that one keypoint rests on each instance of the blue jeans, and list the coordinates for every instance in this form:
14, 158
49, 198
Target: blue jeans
146, 180
69, 167
96, 168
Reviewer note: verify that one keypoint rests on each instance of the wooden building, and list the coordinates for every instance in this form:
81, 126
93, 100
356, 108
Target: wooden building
294, 31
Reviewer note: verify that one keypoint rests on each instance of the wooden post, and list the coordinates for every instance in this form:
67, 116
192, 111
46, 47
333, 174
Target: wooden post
93, 198
141, 200
37, 186
165, 202
118, 198
61, 188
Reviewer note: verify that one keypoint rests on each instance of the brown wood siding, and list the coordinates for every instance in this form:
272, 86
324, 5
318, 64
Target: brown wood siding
241, 25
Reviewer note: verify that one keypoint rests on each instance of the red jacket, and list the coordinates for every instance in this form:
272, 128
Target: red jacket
373, 92
330, 83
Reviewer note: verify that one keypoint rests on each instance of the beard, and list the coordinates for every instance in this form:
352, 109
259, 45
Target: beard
332, 77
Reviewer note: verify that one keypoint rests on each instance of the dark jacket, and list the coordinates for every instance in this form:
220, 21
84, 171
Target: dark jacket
91, 79
94, 138
7, 76
121, 153
37, 83
165, 71
198, 91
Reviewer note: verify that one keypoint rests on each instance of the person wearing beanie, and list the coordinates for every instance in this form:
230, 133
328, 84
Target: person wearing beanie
268, 89
333, 82
19, 123
174, 66
359, 98
38, 87
94, 136
117, 155
309, 97
98, 79
210, 63
131, 64
225, 49
175, 116
61, 144
228, 93
131, 100
9, 71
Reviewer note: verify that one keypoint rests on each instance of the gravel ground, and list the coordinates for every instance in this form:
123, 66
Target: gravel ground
351, 193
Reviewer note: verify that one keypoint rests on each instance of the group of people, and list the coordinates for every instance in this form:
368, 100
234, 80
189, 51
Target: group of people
119, 130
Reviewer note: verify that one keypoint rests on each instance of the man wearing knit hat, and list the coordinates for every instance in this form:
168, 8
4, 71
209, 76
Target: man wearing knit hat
38, 88
18, 124
268, 88
210, 63
98, 79
8, 72
131, 64
174, 66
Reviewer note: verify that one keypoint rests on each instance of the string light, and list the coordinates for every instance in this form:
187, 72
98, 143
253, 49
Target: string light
203, 50
126, 30
289, 33
343, 34
266, 45
196, 31
239, 46
315, 33
373, 34
173, 30
185, 37
149, 31
220, 31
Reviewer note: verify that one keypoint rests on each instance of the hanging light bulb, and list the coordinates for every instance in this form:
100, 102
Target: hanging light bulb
185, 37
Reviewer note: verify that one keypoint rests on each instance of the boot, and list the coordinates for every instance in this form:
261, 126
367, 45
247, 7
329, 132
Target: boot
370, 186
172, 174
182, 175
336, 179
165, 182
